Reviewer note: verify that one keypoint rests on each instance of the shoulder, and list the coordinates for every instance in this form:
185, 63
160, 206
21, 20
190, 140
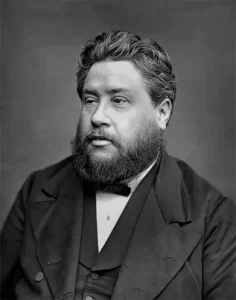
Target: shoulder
38, 178
203, 197
194, 182
48, 172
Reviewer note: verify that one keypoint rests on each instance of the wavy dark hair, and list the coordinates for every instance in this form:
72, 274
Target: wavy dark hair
149, 58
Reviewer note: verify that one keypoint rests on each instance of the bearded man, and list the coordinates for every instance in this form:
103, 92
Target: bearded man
120, 219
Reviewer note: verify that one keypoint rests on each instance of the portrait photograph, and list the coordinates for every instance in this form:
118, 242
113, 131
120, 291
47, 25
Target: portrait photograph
118, 149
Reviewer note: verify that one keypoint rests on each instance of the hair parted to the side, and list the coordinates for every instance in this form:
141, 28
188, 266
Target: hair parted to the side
149, 58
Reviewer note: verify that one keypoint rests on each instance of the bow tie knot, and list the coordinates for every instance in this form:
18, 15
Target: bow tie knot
121, 189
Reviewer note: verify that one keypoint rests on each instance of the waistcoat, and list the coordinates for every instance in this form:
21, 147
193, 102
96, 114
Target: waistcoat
98, 271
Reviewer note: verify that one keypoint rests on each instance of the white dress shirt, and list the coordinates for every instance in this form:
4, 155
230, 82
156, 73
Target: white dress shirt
109, 207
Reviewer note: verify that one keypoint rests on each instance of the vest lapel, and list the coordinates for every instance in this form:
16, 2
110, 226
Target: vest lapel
162, 240
56, 217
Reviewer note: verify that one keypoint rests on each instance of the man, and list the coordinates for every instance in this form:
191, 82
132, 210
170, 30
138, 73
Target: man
120, 219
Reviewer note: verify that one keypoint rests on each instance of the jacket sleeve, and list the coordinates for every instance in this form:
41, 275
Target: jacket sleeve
12, 236
219, 257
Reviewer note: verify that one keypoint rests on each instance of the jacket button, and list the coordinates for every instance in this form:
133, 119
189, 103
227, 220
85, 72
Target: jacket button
39, 276
94, 276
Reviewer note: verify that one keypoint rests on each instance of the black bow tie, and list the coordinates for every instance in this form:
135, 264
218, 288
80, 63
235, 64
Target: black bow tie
119, 189
122, 189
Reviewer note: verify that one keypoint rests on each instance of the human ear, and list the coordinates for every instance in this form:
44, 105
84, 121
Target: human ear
163, 113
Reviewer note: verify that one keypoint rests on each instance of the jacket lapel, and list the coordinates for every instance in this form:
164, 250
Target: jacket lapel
162, 240
56, 217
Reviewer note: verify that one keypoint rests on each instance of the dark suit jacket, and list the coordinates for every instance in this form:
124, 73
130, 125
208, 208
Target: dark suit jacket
183, 247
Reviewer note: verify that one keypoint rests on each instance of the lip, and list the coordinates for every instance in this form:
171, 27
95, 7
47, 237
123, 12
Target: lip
101, 142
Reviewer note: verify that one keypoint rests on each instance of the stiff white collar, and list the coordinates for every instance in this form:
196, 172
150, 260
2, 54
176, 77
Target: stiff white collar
135, 182
109, 207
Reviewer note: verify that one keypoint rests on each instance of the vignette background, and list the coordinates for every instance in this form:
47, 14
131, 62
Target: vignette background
40, 45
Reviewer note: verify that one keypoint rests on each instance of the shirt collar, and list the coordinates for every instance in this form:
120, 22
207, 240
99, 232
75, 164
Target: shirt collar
135, 182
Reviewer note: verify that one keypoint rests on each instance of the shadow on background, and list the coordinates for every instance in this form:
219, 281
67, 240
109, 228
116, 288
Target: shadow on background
41, 42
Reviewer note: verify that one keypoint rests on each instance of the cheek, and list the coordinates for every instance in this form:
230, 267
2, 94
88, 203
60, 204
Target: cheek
126, 128
85, 122
138, 126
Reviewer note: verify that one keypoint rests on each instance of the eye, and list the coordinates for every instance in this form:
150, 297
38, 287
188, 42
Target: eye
89, 100
119, 101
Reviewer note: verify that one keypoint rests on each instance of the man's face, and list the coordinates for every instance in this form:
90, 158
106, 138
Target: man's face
118, 133
116, 105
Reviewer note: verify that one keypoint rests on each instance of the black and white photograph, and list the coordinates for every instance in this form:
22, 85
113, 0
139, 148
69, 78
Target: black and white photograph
118, 150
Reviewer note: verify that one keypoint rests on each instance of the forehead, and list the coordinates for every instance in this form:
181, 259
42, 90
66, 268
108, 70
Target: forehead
114, 74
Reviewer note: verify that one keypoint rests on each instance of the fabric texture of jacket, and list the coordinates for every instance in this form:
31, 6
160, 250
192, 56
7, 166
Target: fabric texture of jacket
183, 246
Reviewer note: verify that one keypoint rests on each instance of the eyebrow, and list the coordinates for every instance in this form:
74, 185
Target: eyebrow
110, 91
117, 90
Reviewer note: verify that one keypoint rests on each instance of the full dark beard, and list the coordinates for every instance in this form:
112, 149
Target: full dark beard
123, 166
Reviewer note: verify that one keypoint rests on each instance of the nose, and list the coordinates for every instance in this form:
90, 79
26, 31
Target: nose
100, 116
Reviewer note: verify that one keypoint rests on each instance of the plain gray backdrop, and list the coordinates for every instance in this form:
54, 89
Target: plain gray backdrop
41, 41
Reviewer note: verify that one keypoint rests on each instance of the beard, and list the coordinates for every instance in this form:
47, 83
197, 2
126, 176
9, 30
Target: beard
128, 161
